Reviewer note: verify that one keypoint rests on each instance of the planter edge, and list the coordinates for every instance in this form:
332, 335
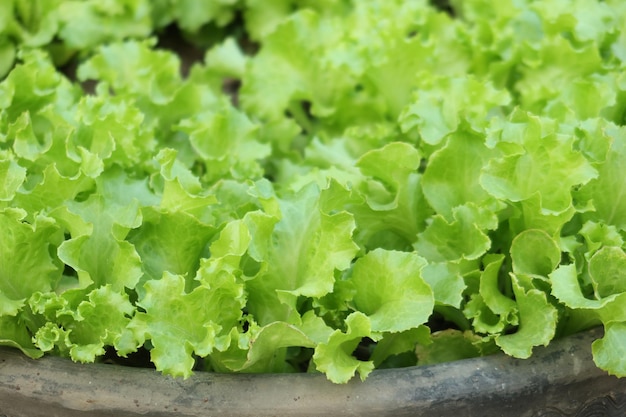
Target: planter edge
557, 380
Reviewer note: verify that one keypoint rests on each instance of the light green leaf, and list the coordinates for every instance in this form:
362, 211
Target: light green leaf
490, 309
85, 24
483, 319
226, 59
391, 291
263, 16
283, 71
607, 192
607, 269
7, 56
228, 143
112, 128
451, 177
15, 334
588, 20
12, 175
191, 15
446, 281
26, 144
31, 86
307, 245
26, 264
566, 288
609, 352
583, 98
441, 104
181, 189
597, 235
594, 138
315, 327
407, 62
537, 322
534, 252
133, 68
116, 263
234, 240
98, 321
530, 214
177, 323
267, 348
170, 241
375, 164
102, 256
547, 70
449, 345
547, 166
463, 238
52, 191
10, 307
497, 302
51, 337
397, 343
227, 297
335, 359
396, 209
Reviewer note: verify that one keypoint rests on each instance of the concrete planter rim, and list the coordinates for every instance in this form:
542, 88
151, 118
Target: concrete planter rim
557, 380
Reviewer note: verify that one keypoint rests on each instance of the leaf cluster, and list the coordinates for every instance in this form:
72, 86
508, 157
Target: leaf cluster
390, 184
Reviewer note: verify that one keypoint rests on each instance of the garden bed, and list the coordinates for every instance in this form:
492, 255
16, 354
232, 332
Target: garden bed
339, 188
560, 380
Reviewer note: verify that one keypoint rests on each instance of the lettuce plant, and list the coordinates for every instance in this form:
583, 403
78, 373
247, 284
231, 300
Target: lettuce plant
393, 183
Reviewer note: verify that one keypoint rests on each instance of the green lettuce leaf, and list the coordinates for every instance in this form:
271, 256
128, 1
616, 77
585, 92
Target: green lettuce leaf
435, 117
606, 269
282, 74
334, 357
534, 252
192, 15
609, 207
15, 334
84, 24
227, 142
390, 290
266, 349
25, 250
449, 345
462, 238
491, 311
7, 56
305, 248
446, 281
451, 177
608, 352
111, 214
395, 344
533, 170
12, 175
334, 181
84, 330
166, 323
537, 322
396, 210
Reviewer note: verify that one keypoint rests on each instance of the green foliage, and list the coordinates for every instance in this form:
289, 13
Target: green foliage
392, 184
